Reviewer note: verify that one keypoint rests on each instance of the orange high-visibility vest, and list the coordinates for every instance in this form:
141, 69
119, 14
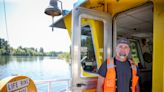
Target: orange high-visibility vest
110, 79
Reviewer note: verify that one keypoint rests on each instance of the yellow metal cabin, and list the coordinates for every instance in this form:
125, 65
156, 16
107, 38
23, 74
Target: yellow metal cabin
95, 25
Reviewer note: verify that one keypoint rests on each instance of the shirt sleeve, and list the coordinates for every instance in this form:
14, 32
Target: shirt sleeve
103, 69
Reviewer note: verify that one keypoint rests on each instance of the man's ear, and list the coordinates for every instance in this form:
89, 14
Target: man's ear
116, 49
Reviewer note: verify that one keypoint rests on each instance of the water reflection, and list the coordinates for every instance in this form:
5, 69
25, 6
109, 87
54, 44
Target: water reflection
37, 68
6, 59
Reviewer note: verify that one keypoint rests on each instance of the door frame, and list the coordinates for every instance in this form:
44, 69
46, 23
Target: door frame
77, 15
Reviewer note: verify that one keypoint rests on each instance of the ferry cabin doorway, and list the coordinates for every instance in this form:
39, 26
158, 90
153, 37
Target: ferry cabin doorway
137, 25
91, 44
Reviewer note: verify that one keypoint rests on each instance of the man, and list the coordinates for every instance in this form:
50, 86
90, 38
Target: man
120, 73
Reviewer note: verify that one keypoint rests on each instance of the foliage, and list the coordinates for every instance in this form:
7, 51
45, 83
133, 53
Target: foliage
6, 50
65, 56
4, 47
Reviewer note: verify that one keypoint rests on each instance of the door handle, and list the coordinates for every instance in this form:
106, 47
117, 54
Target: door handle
80, 84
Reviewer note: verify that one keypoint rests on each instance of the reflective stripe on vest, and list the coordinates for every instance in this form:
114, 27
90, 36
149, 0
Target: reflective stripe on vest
110, 79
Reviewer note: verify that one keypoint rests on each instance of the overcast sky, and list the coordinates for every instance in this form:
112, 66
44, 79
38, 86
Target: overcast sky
28, 26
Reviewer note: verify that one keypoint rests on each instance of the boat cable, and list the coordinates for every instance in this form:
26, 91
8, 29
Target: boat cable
6, 21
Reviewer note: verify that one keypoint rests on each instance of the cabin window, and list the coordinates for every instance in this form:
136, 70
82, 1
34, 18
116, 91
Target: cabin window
88, 60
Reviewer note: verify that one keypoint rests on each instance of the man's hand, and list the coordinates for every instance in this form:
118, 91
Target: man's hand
137, 88
100, 84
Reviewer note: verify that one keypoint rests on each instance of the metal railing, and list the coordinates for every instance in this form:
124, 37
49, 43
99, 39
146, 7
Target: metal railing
49, 82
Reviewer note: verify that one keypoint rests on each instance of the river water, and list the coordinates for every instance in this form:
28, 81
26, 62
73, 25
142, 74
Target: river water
37, 68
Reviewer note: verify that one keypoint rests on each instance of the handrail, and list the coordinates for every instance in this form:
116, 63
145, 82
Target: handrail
37, 82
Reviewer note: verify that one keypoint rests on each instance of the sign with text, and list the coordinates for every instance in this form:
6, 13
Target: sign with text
11, 86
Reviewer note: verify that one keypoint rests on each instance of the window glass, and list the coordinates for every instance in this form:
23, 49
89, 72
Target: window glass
88, 60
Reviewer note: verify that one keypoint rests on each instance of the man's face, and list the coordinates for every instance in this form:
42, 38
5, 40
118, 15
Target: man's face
122, 51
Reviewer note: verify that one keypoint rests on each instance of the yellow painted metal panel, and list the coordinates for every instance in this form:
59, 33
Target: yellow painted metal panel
113, 6
116, 6
98, 34
88, 74
158, 49
68, 22
95, 4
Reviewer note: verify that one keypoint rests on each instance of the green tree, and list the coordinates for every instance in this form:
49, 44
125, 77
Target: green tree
65, 56
41, 50
4, 47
